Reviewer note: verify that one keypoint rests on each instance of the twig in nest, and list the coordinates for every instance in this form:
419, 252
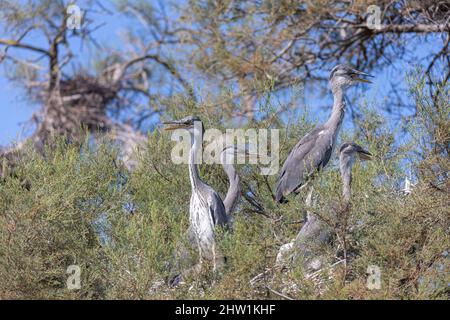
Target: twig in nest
260, 276
279, 293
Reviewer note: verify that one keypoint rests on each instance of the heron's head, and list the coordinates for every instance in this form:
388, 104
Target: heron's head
343, 76
189, 123
351, 149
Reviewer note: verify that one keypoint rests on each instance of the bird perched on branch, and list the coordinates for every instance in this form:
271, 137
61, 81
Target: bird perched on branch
314, 150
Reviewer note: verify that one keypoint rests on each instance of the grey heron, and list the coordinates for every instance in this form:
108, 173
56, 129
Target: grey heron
234, 191
314, 150
227, 157
316, 232
230, 150
234, 188
347, 156
206, 209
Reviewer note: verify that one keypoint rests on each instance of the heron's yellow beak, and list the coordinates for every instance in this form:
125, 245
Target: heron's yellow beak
357, 76
362, 80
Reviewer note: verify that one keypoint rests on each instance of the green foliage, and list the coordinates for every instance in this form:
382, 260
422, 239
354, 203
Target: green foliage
48, 209
80, 206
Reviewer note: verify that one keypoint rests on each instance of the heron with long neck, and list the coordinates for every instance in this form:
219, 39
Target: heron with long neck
229, 151
313, 152
234, 188
347, 156
206, 209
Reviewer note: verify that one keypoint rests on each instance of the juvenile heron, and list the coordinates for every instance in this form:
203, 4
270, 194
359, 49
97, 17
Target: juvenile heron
206, 210
227, 158
315, 232
234, 188
347, 156
314, 150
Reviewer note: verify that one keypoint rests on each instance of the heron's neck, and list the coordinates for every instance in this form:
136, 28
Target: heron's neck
234, 190
193, 170
337, 115
346, 164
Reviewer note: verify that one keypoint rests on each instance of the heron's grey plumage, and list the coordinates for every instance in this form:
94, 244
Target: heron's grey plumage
206, 209
347, 156
315, 232
234, 189
314, 150
310, 154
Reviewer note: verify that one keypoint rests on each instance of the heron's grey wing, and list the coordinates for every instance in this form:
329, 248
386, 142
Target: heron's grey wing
217, 209
292, 173
311, 153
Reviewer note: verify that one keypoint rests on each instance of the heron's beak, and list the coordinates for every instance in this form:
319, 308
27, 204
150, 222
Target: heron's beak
357, 76
173, 125
364, 155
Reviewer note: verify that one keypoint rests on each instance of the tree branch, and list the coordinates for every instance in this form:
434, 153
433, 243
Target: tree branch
17, 44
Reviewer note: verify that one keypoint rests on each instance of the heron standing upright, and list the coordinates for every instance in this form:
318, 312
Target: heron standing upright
206, 210
314, 150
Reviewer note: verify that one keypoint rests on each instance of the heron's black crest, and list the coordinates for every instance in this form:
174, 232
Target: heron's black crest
190, 119
345, 145
353, 147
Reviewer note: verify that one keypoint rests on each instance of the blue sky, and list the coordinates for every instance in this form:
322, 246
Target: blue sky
15, 110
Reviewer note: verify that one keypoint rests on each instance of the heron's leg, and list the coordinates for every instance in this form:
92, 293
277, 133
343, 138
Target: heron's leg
287, 251
213, 249
200, 251
200, 255
309, 202
311, 237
